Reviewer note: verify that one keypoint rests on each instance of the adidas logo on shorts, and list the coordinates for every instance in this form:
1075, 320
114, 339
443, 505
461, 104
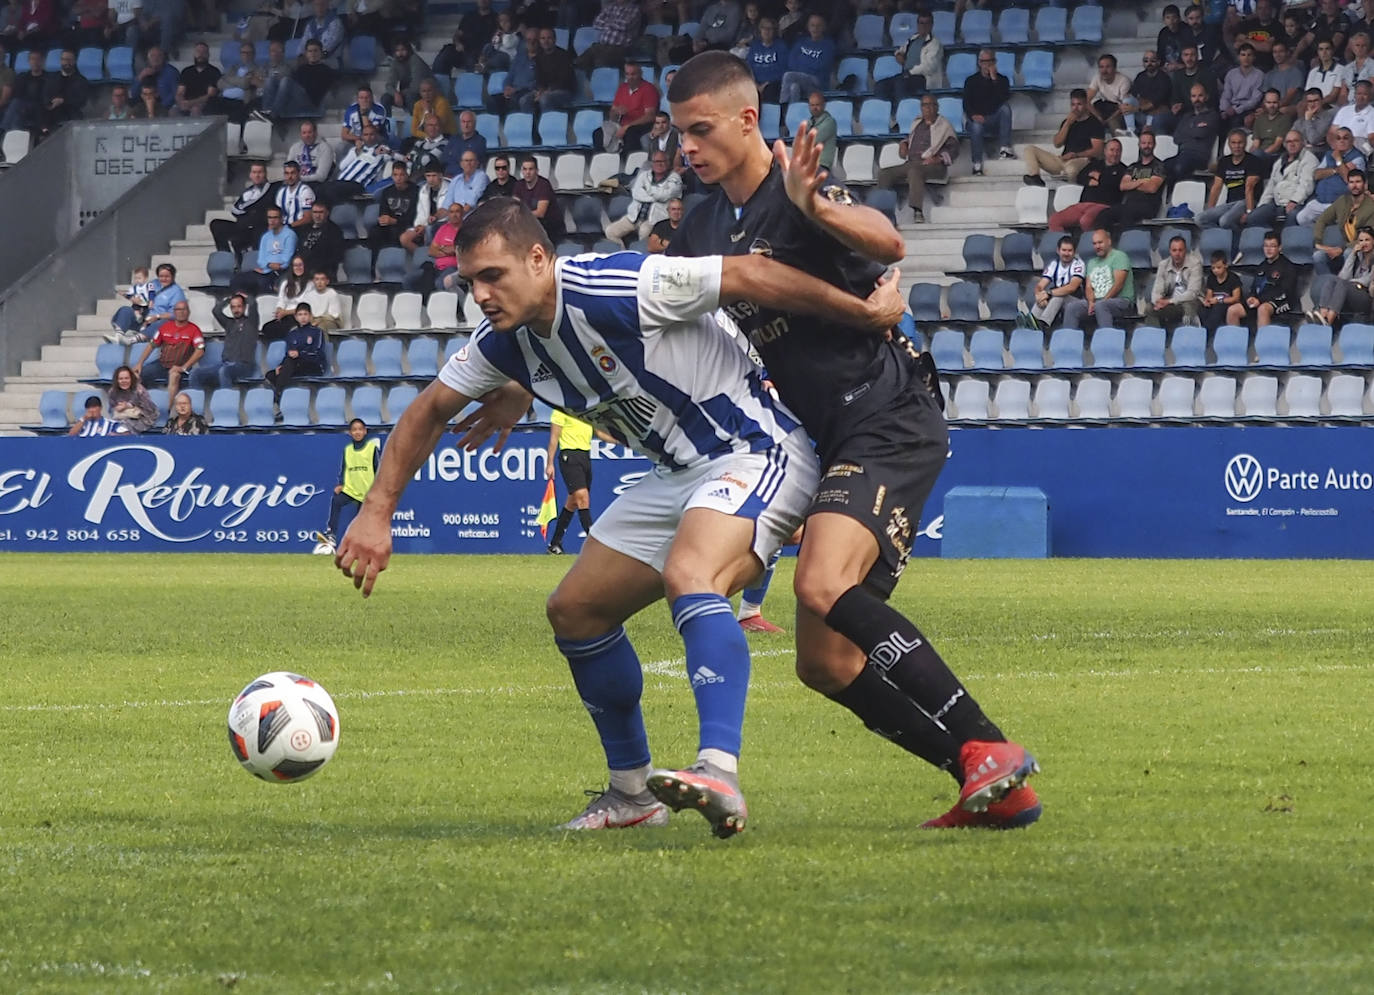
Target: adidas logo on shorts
720, 494
705, 675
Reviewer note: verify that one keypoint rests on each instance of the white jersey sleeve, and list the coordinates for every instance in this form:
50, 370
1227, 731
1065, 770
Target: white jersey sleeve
469, 371
677, 289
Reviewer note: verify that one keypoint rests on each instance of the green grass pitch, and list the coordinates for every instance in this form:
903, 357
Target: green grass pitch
1203, 728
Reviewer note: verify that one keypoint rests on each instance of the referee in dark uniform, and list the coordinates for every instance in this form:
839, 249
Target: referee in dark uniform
571, 439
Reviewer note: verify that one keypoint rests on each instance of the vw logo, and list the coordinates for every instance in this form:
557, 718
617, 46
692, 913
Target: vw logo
1244, 477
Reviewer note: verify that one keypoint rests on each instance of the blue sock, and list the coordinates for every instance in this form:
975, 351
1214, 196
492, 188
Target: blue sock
610, 682
717, 665
753, 596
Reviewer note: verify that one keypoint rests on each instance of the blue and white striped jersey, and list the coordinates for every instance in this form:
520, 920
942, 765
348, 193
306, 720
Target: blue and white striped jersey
636, 351
294, 201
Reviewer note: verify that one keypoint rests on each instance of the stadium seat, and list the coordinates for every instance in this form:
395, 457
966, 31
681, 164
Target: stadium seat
1302, 395
1052, 399
1108, 347
1086, 24
422, 356
944, 26
553, 129
1012, 400
976, 27
119, 65
1037, 70
884, 201
1066, 349
399, 398
443, 309
1357, 345
947, 349
885, 67
329, 406
257, 136
1147, 347
906, 112
454, 343
797, 114
870, 33
586, 216
1133, 397
971, 400
52, 409
109, 356
584, 38
1231, 344
585, 124
1250, 248
367, 404
1006, 65
1189, 346
985, 349
1345, 396
959, 67
1003, 300
1212, 240
963, 301
901, 27
1051, 25
391, 264
1064, 196
1017, 251
357, 265
603, 166
468, 90
90, 62
1297, 244
1272, 346
603, 82
570, 172
770, 122
518, 130
345, 215
386, 360
857, 164
561, 37
351, 359
214, 353
875, 117
1013, 26
924, 301
852, 68
1135, 242
275, 353
1314, 345
978, 254
1217, 397
53, 63
219, 267
361, 59
1093, 398
1166, 235
1030, 205
224, 409
16, 145
295, 407
1027, 349
489, 127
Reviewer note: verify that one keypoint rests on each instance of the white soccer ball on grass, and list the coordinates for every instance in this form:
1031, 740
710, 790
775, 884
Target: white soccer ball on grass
283, 727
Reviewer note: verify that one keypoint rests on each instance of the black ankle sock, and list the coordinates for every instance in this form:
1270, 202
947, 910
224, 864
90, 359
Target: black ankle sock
564, 520
898, 650
584, 516
887, 711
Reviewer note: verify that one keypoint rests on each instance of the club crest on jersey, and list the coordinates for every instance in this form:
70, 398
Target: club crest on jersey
607, 363
761, 247
462, 355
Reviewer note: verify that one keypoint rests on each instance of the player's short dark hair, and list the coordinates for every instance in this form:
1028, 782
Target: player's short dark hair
1178, 238
528, 158
707, 73
507, 218
1273, 91
93, 401
1078, 93
1313, 91
1065, 239
1218, 257
1237, 131
364, 88
303, 306
291, 164
357, 421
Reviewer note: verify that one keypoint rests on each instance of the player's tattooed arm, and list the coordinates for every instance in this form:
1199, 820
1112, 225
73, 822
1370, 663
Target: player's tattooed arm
774, 285
862, 229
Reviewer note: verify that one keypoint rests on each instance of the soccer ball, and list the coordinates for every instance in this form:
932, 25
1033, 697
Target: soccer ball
283, 727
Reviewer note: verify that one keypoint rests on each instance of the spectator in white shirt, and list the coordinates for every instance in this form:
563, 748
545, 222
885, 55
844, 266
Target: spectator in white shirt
1107, 91
1359, 116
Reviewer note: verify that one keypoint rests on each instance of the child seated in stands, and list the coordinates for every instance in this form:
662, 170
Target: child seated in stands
304, 355
141, 292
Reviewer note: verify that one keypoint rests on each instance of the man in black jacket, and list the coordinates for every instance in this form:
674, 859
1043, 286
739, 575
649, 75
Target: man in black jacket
64, 94
396, 205
26, 105
249, 221
321, 244
987, 95
1276, 285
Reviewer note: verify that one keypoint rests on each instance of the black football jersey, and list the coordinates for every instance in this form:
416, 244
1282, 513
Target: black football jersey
821, 371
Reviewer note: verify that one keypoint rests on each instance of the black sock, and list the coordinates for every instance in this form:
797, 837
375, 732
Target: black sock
564, 520
886, 710
898, 650
584, 515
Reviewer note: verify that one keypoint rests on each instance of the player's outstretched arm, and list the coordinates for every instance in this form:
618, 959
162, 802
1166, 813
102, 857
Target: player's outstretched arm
775, 285
500, 411
366, 546
862, 229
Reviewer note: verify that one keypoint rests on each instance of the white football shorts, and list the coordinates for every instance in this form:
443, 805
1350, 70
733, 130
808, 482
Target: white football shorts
774, 488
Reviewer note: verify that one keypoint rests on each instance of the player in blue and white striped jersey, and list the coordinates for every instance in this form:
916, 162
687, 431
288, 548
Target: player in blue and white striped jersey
629, 343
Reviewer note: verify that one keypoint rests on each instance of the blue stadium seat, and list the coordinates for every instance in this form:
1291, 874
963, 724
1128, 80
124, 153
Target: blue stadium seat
985, 348
901, 27
454, 343
367, 404
947, 349
1211, 240
1051, 25
90, 62
1027, 349
883, 200
214, 354
1297, 244
468, 89
585, 125
963, 301
119, 65
357, 264
1004, 300
351, 359
391, 264
875, 117
257, 408
1231, 343
496, 82
951, 109
422, 356
1250, 249
1189, 346
1006, 65
1357, 345
224, 408
1049, 245
886, 67
197, 399
584, 38
386, 359
924, 300
943, 27
399, 398
1135, 242
1147, 347
276, 352
852, 68
770, 122
53, 63
906, 112
1108, 347
1017, 252
219, 266
1037, 70
361, 58
1013, 26
976, 27
561, 37
109, 356
604, 82
52, 409
978, 254
1271, 346
870, 32
1066, 348
553, 129
295, 407
586, 215
1086, 24
489, 127
797, 114
518, 129
959, 67
329, 406
843, 113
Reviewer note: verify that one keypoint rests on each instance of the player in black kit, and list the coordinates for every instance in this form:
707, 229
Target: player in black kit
878, 428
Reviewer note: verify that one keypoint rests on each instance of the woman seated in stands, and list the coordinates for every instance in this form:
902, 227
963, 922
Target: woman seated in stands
304, 357
290, 290
130, 403
127, 326
183, 420
1346, 297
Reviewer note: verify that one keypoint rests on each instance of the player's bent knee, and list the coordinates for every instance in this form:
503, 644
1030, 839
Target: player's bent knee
817, 591
572, 617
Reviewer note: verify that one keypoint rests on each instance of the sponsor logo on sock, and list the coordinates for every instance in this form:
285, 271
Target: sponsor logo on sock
949, 704
888, 652
593, 709
705, 675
